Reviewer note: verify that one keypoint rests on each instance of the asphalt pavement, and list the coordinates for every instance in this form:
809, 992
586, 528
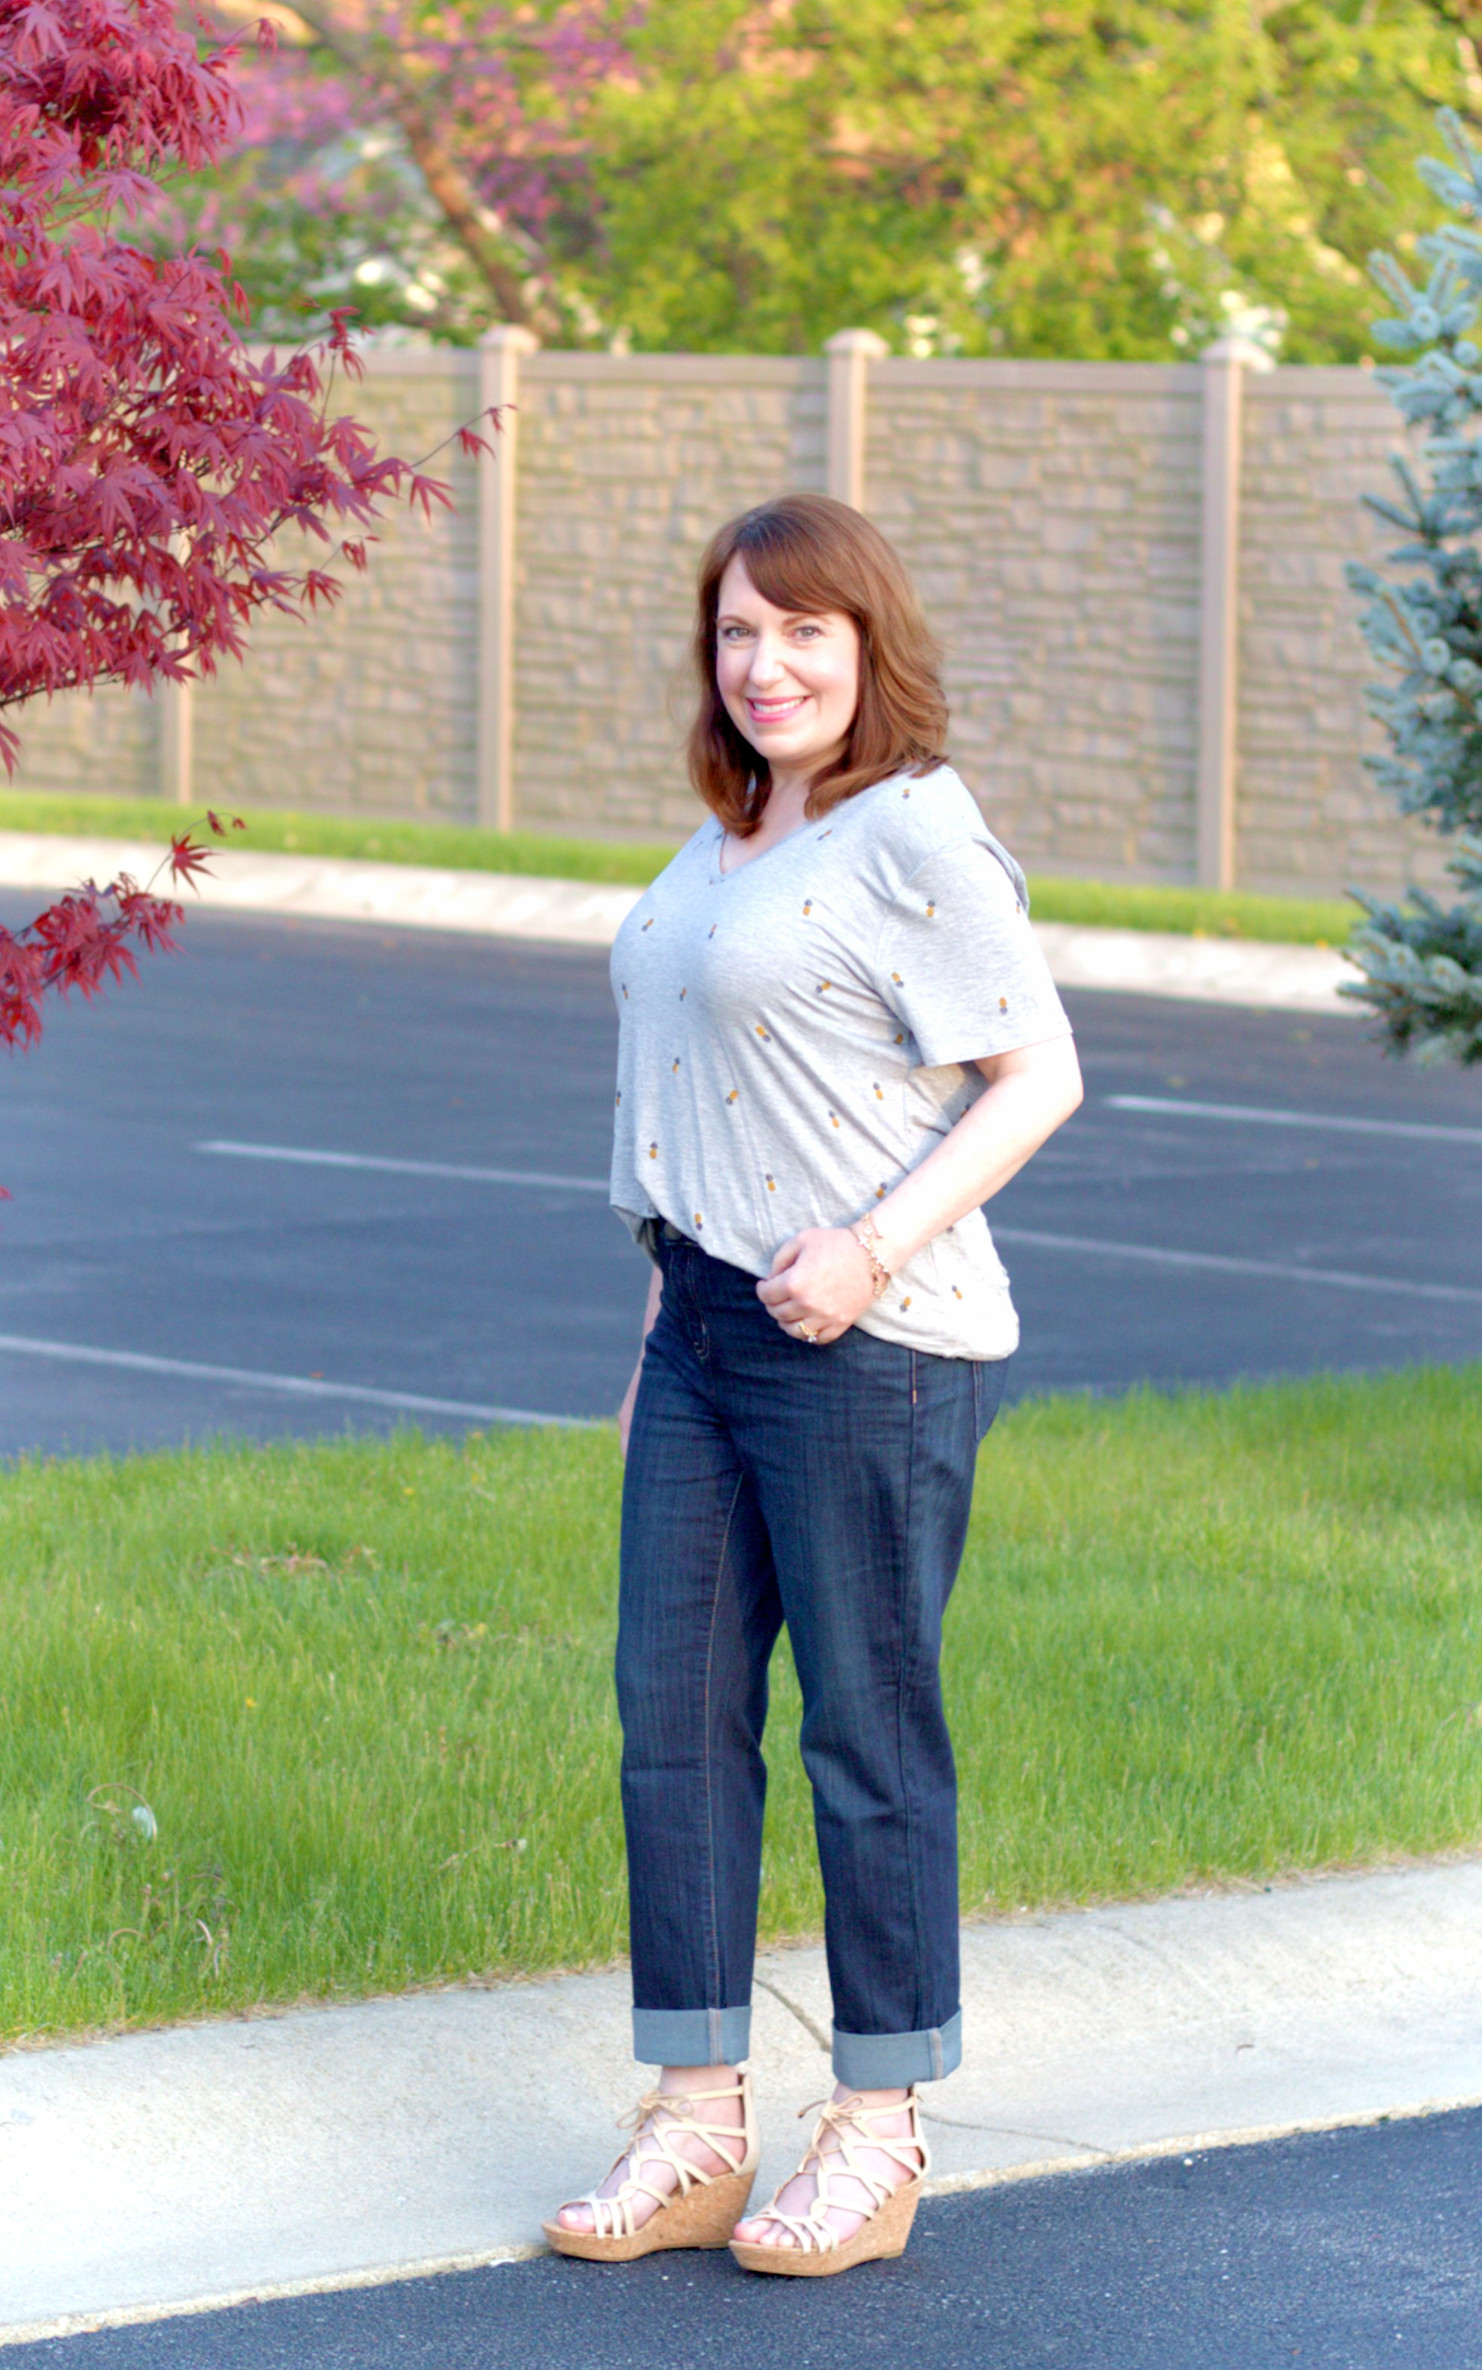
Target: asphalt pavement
314, 1175
1245, 1193
1341, 2250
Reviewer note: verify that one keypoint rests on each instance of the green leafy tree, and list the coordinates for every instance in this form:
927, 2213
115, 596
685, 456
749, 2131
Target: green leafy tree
1423, 622
1112, 178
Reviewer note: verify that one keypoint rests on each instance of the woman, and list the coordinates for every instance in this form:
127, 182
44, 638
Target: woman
838, 1038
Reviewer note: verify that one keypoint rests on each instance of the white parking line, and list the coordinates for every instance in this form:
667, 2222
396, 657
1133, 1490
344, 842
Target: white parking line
1337, 1276
406, 1168
1319, 1119
291, 1386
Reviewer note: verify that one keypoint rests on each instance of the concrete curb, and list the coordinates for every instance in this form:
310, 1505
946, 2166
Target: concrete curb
582, 913
344, 889
493, 2258
168, 2171
1209, 970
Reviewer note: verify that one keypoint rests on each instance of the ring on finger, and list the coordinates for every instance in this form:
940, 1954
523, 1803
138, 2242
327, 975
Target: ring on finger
804, 1333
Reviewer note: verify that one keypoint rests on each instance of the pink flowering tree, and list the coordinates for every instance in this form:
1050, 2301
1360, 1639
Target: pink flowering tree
431, 164
150, 465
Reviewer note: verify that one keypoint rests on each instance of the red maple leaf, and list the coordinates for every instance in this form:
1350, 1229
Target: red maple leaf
187, 857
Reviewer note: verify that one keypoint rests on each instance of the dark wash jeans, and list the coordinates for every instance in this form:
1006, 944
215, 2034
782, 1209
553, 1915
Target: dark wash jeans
770, 1481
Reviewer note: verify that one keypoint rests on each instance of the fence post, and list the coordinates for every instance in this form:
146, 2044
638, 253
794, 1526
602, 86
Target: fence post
176, 743
1224, 366
850, 353
499, 384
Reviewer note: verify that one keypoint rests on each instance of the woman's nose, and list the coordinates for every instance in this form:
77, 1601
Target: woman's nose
766, 664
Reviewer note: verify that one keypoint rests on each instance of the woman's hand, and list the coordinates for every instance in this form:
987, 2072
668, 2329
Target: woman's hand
821, 1279
819, 1284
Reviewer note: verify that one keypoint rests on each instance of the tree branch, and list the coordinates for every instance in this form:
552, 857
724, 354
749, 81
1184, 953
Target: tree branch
447, 184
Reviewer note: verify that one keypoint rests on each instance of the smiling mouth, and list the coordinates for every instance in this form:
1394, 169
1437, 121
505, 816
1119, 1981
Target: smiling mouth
774, 711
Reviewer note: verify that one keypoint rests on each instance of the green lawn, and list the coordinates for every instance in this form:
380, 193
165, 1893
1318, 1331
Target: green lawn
1201, 913
1291, 920
387, 842
363, 1688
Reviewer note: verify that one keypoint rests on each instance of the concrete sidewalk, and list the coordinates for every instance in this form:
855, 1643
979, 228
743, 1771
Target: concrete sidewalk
327, 2148
582, 913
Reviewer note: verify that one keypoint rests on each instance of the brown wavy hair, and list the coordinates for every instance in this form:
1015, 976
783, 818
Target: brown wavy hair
808, 554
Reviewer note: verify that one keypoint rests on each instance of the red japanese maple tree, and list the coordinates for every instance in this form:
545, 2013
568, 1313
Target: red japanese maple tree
147, 458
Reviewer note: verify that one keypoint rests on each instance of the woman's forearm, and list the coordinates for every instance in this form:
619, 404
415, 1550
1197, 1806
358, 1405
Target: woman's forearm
1028, 1096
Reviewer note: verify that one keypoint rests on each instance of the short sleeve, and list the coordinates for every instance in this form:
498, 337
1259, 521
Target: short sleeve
958, 962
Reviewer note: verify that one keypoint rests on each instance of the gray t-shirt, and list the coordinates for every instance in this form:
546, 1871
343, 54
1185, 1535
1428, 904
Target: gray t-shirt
796, 1035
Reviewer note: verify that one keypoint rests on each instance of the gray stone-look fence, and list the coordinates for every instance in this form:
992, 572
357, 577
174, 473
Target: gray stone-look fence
1137, 570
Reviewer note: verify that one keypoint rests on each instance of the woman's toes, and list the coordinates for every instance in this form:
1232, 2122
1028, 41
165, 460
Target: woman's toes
576, 2217
761, 2232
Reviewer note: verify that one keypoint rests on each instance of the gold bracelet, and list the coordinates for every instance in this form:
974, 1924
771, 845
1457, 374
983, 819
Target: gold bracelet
880, 1275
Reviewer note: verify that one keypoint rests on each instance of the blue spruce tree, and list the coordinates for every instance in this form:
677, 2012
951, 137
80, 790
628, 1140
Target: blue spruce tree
1422, 960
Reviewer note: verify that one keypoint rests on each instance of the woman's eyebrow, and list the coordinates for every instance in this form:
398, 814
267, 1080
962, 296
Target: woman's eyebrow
788, 616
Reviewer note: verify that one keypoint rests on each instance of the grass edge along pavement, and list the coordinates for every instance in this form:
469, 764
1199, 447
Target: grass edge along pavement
329, 1719
1290, 921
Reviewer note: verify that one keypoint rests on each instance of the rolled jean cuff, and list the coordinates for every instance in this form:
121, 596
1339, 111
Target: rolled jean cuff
691, 2036
893, 2061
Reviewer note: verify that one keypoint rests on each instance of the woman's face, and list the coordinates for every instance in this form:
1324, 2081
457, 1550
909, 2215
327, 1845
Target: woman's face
789, 679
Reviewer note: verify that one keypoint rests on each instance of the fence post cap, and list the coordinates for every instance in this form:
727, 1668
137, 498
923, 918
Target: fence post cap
857, 341
511, 334
1239, 349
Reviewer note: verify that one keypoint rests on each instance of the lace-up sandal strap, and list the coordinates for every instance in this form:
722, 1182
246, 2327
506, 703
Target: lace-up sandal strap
851, 2122
685, 2123
655, 2145
680, 2105
817, 2246
851, 2114
618, 2209
614, 2223
804, 2230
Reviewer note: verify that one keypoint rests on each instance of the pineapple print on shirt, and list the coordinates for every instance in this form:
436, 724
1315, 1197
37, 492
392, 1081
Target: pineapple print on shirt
906, 948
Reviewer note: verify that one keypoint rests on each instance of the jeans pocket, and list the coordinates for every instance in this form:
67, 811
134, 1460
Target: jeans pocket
989, 1378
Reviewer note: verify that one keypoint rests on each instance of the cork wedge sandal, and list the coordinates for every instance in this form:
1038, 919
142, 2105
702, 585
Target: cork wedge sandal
701, 2210
817, 2251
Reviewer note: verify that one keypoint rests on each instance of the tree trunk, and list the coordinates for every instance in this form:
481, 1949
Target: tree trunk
447, 184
